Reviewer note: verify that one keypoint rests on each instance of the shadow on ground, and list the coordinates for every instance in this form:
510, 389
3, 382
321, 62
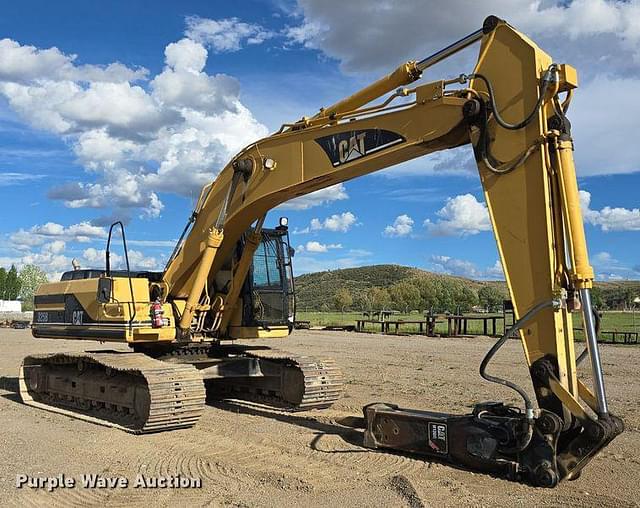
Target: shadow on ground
10, 384
349, 429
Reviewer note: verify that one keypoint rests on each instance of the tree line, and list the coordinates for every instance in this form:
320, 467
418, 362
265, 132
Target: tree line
616, 297
10, 284
430, 294
440, 295
21, 285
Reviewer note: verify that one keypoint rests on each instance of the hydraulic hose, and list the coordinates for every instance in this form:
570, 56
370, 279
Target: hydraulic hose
483, 151
507, 167
494, 349
550, 76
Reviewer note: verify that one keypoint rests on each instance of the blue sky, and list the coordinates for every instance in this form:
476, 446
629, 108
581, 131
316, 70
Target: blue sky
122, 110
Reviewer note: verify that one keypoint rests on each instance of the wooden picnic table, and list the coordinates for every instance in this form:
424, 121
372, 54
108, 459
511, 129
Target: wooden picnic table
458, 324
428, 325
382, 315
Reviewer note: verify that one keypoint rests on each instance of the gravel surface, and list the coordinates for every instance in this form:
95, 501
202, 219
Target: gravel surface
251, 456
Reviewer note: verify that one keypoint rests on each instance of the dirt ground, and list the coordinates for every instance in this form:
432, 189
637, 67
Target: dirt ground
251, 456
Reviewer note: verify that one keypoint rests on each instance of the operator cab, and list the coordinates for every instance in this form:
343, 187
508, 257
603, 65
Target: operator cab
268, 293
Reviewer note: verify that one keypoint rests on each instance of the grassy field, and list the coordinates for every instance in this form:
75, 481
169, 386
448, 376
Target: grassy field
617, 321
611, 321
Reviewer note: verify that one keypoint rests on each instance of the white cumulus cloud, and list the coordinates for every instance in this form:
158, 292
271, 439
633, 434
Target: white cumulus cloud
314, 246
600, 38
465, 268
337, 222
226, 35
23, 63
186, 55
609, 268
395, 31
461, 215
95, 258
402, 226
55, 247
173, 134
336, 192
54, 232
51, 246
609, 218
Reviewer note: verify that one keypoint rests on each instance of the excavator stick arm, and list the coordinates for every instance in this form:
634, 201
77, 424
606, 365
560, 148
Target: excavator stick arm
523, 148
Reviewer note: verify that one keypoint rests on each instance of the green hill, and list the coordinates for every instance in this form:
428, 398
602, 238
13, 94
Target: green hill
402, 287
317, 291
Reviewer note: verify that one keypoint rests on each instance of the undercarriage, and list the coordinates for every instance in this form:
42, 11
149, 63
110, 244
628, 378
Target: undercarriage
153, 391
262, 374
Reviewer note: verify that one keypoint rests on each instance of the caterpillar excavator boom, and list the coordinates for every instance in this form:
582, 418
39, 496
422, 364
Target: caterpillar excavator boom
230, 278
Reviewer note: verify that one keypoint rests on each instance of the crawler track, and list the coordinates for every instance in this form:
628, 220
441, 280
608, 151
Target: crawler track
129, 391
305, 383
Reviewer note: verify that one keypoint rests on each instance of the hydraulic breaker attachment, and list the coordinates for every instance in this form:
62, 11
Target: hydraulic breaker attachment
494, 439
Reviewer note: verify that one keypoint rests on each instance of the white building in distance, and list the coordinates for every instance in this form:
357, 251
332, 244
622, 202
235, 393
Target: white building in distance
10, 306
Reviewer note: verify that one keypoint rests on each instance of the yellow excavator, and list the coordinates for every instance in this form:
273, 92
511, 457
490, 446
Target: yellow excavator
230, 278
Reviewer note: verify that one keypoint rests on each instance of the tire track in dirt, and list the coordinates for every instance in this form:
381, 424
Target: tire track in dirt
62, 498
373, 463
326, 446
182, 460
114, 498
301, 461
229, 468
